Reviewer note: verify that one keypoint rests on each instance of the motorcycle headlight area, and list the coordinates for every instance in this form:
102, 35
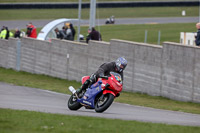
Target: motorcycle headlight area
118, 78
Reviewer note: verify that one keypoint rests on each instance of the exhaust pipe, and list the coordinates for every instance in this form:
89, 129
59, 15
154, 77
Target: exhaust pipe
71, 88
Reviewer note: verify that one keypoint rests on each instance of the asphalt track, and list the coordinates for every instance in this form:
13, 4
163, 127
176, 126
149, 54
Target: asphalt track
12, 24
25, 98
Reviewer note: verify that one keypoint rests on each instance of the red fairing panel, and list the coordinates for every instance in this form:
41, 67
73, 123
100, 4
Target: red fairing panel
84, 79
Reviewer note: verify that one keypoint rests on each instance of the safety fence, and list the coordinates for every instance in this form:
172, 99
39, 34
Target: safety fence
66, 5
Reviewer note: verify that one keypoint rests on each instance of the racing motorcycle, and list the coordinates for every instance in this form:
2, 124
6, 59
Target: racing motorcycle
98, 96
110, 20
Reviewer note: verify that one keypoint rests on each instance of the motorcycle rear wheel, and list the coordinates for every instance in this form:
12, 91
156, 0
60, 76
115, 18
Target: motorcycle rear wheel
102, 104
73, 104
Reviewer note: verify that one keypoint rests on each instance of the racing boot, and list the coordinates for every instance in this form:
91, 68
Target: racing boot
83, 87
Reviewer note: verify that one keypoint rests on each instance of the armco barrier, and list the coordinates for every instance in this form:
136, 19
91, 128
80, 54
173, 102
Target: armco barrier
115, 4
171, 70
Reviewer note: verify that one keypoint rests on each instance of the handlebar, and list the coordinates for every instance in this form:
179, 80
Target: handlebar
104, 77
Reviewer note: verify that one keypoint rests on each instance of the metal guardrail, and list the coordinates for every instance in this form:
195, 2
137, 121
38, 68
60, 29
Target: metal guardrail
99, 5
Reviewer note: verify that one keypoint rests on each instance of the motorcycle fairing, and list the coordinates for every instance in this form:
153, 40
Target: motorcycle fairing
84, 79
90, 94
108, 91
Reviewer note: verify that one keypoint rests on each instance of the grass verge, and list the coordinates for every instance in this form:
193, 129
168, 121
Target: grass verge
136, 12
36, 122
61, 85
136, 32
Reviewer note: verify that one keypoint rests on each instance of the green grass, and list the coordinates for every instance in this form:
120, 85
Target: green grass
61, 85
136, 32
36, 81
158, 102
141, 12
12, 121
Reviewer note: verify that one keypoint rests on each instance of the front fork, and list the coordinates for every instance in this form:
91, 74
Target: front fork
101, 97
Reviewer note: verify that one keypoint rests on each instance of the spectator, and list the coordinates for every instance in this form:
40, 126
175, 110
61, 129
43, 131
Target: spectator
197, 41
94, 35
197, 37
88, 36
5, 33
60, 34
73, 30
17, 33
2, 28
31, 31
69, 32
8, 33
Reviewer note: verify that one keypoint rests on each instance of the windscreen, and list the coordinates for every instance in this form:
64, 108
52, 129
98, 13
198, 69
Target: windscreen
117, 76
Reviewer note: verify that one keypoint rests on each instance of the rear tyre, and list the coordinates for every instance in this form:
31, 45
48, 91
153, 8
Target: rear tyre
73, 104
103, 103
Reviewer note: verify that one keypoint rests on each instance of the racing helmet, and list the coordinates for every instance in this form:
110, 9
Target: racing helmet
121, 63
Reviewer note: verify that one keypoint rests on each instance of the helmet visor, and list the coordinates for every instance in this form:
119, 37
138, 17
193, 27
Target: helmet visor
120, 68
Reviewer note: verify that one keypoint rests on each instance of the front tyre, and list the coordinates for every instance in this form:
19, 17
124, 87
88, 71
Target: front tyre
103, 103
73, 104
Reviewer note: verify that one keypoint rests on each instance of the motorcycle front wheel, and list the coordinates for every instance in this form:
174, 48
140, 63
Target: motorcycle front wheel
73, 104
103, 103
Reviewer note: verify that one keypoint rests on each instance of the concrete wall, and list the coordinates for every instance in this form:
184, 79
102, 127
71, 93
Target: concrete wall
8, 53
196, 76
171, 70
180, 73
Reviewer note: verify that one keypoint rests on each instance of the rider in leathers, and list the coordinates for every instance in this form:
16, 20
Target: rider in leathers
104, 70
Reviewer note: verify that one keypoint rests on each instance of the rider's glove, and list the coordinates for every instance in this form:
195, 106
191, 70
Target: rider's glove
93, 79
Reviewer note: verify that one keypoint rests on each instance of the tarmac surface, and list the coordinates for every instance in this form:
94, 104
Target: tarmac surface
25, 98
12, 24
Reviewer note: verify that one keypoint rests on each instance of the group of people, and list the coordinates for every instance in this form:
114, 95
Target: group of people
67, 32
5, 33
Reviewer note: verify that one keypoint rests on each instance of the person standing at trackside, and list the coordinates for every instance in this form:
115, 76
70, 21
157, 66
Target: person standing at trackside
73, 30
88, 36
31, 31
8, 33
94, 35
197, 41
60, 34
17, 33
5, 33
104, 70
69, 33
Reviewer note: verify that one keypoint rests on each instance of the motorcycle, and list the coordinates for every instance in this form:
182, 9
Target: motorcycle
110, 20
98, 96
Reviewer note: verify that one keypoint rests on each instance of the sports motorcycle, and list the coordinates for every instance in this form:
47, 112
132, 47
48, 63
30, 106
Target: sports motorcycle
98, 96
110, 21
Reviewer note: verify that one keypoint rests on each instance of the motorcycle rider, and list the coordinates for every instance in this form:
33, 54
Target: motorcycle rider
104, 70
